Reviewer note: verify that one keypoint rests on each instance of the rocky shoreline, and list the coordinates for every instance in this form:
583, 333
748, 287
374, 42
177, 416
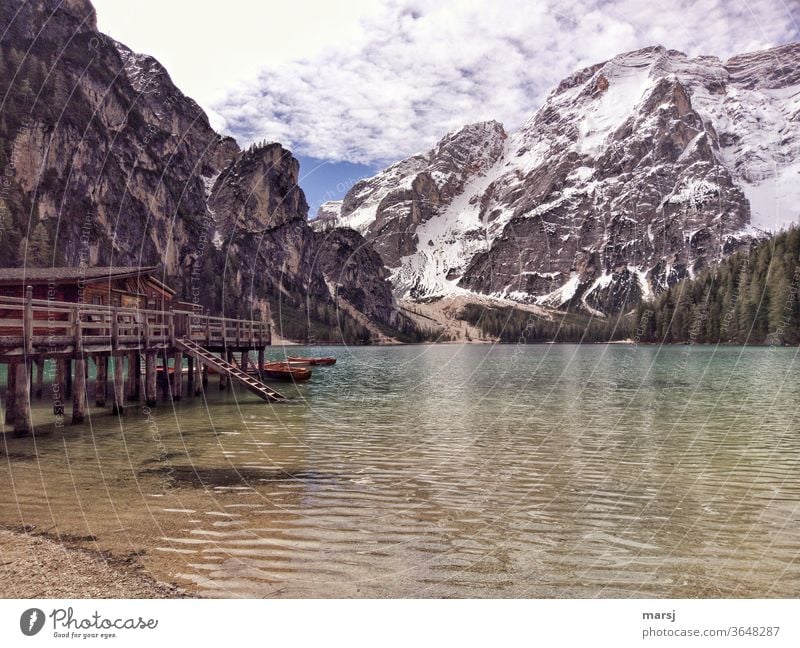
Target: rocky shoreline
35, 564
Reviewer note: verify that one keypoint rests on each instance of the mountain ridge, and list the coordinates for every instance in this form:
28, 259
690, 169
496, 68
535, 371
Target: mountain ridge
633, 174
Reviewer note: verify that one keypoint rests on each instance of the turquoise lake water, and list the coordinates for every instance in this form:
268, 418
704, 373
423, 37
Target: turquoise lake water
446, 470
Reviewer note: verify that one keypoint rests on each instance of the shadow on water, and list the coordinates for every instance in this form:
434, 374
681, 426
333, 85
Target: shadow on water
214, 477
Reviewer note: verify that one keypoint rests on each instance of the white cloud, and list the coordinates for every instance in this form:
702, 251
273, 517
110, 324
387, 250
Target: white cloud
421, 71
210, 47
374, 80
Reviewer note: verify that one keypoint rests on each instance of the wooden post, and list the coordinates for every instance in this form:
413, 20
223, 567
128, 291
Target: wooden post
171, 328
150, 378
114, 330
245, 358
22, 400
165, 379
146, 332
199, 380
79, 379
101, 380
39, 377
208, 328
27, 330
260, 360
190, 375
177, 376
67, 377
119, 385
11, 389
77, 332
79, 391
59, 387
204, 381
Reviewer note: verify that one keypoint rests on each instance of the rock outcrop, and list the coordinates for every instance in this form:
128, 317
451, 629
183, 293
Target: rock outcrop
355, 272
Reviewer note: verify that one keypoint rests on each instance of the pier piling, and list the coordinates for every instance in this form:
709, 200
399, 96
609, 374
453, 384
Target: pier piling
165, 379
101, 380
177, 375
190, 376
79, 391
11, 389
119, 385
71, 334
22, 400
150, 378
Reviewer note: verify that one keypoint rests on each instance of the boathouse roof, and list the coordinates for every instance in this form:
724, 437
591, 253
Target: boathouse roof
73, 274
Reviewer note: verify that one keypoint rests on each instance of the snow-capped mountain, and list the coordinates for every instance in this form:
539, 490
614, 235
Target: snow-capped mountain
633, 174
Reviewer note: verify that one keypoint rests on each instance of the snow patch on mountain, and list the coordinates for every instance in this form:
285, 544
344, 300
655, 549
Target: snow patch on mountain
775, 201
563, 294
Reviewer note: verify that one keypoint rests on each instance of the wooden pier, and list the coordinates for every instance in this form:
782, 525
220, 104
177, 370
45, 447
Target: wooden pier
131, 347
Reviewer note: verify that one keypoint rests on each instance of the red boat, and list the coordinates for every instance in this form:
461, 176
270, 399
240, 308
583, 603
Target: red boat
313, 361
285, 371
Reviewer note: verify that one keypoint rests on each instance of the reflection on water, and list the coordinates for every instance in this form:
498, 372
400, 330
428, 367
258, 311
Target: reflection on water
541, 471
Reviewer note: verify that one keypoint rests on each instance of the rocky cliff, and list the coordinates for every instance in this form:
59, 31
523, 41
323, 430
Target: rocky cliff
275, 259
105, 161
634, 173
356, 274
103, 156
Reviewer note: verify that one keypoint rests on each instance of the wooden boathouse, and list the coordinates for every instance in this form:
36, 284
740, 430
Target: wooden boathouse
129, 324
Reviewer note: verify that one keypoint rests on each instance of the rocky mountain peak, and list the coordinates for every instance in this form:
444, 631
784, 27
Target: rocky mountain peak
258, 190
634, 173
388, 207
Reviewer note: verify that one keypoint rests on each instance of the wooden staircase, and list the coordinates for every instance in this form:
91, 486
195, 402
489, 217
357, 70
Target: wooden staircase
223, 366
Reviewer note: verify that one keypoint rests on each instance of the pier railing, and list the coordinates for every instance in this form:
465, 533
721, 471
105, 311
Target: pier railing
41, 326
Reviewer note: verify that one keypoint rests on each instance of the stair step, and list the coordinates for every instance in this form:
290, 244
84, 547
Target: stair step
232, 370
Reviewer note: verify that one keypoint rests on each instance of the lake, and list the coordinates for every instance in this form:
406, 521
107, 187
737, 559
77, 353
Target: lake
447, 470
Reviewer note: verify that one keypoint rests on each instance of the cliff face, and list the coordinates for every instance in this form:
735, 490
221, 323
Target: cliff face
355, 273
633, 174
106, 162
104, 156
262, 233
275, 261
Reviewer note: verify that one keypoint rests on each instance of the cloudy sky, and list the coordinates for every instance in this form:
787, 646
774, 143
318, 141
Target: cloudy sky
371, 81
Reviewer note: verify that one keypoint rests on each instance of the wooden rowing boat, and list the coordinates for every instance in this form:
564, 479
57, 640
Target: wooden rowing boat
171, 370
285, 371
313, 361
